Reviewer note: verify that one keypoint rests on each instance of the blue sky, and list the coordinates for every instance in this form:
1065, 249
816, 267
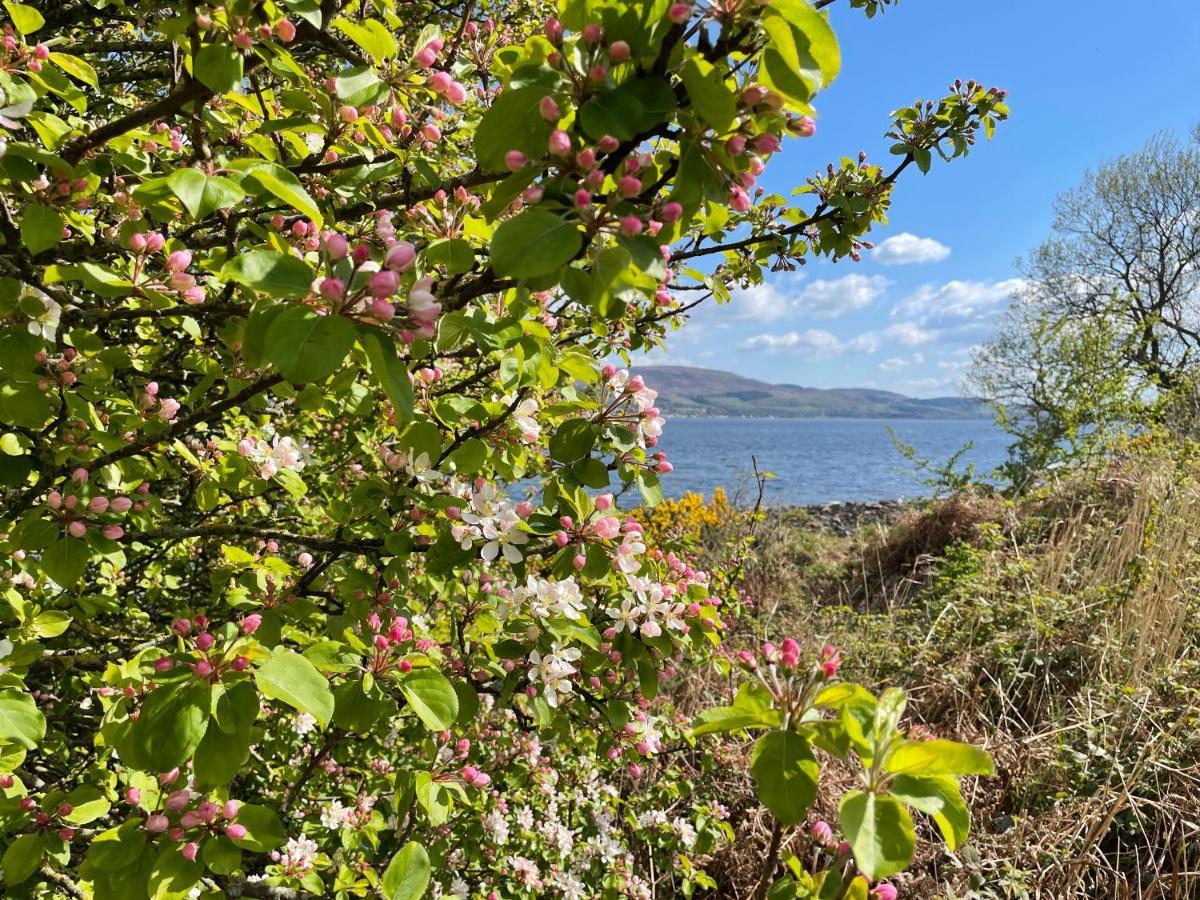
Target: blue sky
1087, 80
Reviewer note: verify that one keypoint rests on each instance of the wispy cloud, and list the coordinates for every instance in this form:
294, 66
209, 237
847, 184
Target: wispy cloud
910, 334
767, 301
814, 340
833, 297
898, 363
960, 300
907, 249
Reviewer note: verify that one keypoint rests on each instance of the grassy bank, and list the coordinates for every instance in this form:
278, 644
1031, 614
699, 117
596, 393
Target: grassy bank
1059, 631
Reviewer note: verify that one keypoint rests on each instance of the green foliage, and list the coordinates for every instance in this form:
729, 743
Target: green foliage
297, 297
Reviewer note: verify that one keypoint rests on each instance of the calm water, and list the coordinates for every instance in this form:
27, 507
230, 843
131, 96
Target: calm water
818, 460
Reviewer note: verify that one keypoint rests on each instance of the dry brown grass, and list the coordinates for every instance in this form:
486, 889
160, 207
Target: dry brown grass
1060, 632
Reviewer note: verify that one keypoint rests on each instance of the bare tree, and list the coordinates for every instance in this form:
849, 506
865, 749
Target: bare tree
1131, 232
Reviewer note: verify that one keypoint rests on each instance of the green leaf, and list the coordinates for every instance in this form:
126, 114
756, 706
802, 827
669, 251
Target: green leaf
712, 98
535, 243
218, 66
432, 698
41, 227
305, 347
614, 113
289, 677
88, 803
514, 122
389, 372
221, 855
360, 86
25, 18
202, 194
65, 560
457, 255
785, 773
277, 274
802, 55
99, 279
173, 875
938, 757
76, 68
21, 722
220, 756
287, 187
370, 35
880, 832
22, 858
264, 831
169, 727
940, 797
408, 873
750, 709
572, 440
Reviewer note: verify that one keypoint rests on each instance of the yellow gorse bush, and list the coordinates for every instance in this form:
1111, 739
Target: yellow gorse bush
686, 516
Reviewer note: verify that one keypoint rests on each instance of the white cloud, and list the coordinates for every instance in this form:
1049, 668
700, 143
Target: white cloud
957, 300
829, 298
764, 302
906, 249
815, 340
910, 334
896, 363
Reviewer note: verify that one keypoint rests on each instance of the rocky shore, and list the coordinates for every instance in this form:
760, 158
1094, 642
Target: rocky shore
847, 517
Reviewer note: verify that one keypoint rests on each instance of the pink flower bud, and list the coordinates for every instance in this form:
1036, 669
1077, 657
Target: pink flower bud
631, 225
618, 51
383, 310
133, 796
243, 40
80, 476
177, 801
604, 501
204, 640
579, 561
884, 891
440, 81
583, 198
383, 284
137, 242
189, 851
425, 58
548, 107
286, 31
400, 257
524, 509
235, 832
629, 186
739, 200
336, 246
592, 34
679, 13
76, 529
347, 113
41, 51
560, 142
431, 133
806, 126
230, 809
157, 823
514, 160
608, 143
112, 532
554, 31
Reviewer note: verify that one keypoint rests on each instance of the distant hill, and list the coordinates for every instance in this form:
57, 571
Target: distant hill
688, 391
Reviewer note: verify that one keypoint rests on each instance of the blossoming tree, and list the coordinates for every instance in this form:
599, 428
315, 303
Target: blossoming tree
311, 422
